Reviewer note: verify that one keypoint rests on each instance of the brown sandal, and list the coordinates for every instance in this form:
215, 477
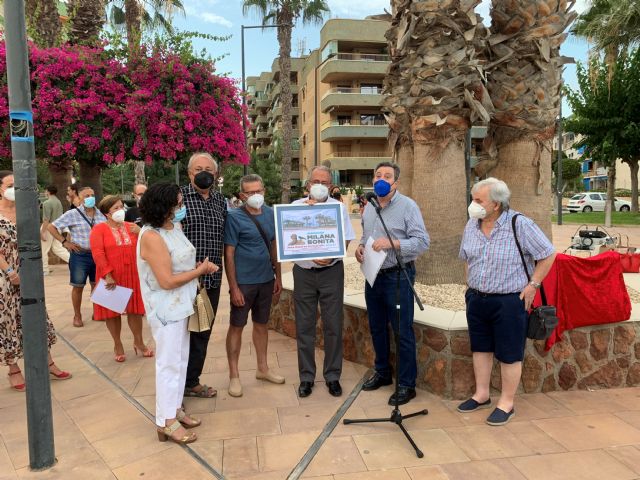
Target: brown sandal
181, 417
166, 433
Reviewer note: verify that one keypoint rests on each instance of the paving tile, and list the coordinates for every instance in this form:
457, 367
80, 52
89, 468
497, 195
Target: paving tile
497, 469
629, 456
392, 450
252, 422
549, 406
337, 455
433, 472
274, 475
283, 452
481, 442
395, 474
240, 457
589, 431
306, 417
95, 470
534, 438
632, 418
155, 466
584, 402
266, 395
211, 451
586, 465
129, 445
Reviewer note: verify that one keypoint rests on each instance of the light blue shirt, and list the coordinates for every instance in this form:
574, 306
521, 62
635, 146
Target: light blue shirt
494, 263
404, 221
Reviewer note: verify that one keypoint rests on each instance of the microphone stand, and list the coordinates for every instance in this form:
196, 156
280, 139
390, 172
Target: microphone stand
396, 416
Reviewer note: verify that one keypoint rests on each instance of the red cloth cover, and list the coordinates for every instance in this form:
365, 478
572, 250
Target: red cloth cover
586, 291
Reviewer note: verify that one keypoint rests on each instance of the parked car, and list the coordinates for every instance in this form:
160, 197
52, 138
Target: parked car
594, 202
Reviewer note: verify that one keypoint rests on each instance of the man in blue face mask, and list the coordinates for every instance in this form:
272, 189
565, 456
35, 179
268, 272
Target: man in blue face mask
404, 221
79, 220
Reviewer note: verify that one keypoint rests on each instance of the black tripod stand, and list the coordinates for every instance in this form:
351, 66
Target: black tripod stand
396, 416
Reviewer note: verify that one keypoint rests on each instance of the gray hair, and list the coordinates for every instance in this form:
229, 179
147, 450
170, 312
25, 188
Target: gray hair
322, 168
498, 191
252, 177
395, 166
201, 154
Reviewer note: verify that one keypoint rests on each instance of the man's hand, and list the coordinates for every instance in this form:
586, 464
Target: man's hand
277, 287
72, 247
324, 262
110, 282
237, 298
528, 294
360, 253
382, 244
14, 279
205, 267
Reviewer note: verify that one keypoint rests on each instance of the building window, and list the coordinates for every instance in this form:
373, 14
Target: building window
295, 164
344, 119
370, 88
372, 119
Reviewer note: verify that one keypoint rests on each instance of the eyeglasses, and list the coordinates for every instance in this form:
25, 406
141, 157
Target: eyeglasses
248, 194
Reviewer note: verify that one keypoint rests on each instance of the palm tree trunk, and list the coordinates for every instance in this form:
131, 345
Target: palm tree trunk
86, 18
634, 167
611, 191
404, 159
61, 173
140, 177
133, 20
525, 166
90, 177
43, 22
440, 191
284, 60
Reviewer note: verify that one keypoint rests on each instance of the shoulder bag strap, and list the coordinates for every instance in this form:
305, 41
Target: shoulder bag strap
261, 230
524, 263
91, 224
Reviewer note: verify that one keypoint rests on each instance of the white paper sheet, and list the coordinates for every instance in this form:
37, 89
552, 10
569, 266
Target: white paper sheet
115, 300
372, 261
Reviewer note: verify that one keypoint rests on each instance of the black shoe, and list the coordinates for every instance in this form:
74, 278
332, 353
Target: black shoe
334, 388
405, 394
304, 390
376, 381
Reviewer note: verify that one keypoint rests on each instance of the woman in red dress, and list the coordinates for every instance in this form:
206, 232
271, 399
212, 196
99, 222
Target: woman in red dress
113, 246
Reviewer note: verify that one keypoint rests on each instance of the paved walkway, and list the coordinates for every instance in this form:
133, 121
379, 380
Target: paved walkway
104, 430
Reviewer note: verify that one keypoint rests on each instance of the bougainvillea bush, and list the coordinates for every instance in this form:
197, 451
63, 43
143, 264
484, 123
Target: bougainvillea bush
94, 108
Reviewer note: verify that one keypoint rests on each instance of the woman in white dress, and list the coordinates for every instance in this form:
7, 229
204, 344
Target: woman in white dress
168, 281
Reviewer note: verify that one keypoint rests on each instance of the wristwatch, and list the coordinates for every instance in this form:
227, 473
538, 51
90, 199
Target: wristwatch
534, 284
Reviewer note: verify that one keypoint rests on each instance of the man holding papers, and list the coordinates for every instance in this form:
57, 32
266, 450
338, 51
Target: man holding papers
404, 221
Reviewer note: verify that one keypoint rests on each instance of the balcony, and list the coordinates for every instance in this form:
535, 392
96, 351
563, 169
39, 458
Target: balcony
357, 160
365, 97
262, 135
278, 88
277, 112
263, 101
345, 66
261, 119
263, 151
335, 130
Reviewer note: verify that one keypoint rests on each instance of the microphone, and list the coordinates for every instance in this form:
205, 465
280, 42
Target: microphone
372, 198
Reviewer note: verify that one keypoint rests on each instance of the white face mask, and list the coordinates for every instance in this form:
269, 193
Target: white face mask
10, 194
118, 216
256, 200
476, 211
319, 192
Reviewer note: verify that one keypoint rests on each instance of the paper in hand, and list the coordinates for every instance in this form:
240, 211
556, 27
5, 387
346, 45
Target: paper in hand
115, 300
372, 262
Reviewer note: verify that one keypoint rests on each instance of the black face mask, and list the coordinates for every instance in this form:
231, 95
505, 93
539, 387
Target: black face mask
204, 180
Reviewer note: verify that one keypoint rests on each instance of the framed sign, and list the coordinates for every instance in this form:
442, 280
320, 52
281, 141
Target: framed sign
308, 232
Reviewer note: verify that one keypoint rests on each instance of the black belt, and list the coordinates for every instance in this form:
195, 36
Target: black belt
319, 269
482, 294
396, 268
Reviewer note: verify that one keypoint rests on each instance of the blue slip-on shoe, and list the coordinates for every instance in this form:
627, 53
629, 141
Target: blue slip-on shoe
500, 417
471, 405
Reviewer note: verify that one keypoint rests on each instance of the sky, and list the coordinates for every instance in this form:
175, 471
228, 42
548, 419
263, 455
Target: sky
225, 17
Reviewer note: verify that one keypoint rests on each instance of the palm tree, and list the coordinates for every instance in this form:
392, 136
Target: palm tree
43, 22
134, 16
613, 26
285, 13
434, 90
86, 18
525, 79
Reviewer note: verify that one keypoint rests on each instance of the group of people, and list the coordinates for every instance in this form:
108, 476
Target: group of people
177, 238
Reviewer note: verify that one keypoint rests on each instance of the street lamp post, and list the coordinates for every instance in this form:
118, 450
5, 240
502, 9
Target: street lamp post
244, 86
559, 172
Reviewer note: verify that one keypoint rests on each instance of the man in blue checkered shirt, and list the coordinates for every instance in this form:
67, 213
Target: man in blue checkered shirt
203, 225
499, 292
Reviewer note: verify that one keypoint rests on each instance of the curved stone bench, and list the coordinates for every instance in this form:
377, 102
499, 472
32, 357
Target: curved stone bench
599, 356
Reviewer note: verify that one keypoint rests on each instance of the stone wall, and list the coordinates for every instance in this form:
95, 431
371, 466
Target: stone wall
601, 356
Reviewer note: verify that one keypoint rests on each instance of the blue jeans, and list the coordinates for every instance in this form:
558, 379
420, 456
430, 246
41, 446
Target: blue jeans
381, 307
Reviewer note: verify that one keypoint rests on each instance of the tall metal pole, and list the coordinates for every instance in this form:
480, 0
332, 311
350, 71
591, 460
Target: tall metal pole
467, 165
178, 172
244, 97
34, 325
559, 164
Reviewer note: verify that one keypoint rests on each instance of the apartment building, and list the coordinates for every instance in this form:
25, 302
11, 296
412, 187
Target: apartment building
265, 114
336, 113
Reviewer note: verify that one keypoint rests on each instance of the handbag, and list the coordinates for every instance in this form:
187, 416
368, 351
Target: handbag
629, 259
203, 315
543, 319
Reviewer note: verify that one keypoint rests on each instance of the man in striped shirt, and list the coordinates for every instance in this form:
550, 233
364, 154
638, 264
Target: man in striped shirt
404, 221
499, 292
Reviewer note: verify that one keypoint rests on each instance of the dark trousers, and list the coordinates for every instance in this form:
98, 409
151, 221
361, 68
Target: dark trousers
381, 308
198, 342
326, 287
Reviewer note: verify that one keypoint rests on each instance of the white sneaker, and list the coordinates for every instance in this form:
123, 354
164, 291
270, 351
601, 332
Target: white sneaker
235, 387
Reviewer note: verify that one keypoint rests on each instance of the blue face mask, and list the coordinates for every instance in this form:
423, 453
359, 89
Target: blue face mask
179, 215
382, 188
90, 202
